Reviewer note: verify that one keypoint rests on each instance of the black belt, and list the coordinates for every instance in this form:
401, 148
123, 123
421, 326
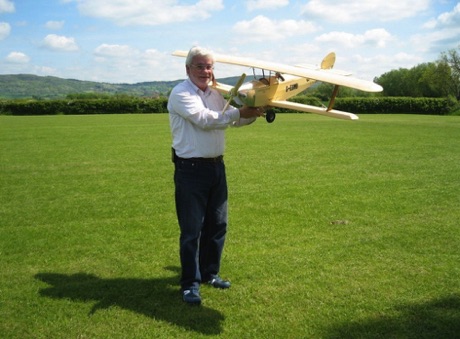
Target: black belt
218, 159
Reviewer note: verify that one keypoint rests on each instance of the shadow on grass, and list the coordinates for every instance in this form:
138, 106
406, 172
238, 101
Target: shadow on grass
154, 298
438, 318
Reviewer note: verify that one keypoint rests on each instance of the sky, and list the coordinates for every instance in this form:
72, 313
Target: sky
131, 41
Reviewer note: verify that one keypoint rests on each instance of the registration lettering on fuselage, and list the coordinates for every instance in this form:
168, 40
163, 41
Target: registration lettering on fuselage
292, 87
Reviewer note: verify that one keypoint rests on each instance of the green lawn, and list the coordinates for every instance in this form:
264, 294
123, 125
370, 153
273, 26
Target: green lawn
337, 230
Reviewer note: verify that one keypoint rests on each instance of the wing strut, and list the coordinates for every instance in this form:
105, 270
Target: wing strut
334, 94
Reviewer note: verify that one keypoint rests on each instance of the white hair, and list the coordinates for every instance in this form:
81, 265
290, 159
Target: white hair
198, 51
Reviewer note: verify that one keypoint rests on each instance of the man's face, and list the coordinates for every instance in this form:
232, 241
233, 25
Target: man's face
200, 71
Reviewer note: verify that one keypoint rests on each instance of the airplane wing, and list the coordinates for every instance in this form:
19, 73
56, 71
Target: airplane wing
329, 70
222, 88
316, 74
314, 109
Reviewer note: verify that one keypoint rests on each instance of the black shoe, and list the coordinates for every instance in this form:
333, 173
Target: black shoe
191, 296
217, 282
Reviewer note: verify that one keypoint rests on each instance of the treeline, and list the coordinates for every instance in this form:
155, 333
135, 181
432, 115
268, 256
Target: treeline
432, 79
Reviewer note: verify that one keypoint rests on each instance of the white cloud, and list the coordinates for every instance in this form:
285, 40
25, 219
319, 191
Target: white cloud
377, 65
17, 58
353, 11
60, 43
394, 61
114, 51
148, 12
44, 70
54, 25
123, 63
437, 41
441, 34
253, 5
6, 6
447, 19
152, 57
5, 30
375, 37
264, 29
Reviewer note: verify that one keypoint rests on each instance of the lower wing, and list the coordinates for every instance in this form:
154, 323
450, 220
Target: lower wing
314, 109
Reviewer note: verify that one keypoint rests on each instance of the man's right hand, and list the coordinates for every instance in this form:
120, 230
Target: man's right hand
251, 112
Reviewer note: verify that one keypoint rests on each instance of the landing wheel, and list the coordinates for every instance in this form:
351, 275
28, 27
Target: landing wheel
270, 116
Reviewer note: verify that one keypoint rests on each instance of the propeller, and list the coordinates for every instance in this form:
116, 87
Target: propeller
234, 91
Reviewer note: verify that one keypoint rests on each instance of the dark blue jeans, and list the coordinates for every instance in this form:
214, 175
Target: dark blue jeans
201, 204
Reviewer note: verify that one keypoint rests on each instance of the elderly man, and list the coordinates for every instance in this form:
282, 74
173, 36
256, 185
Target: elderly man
198, 139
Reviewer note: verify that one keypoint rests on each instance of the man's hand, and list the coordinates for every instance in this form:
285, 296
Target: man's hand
251, 112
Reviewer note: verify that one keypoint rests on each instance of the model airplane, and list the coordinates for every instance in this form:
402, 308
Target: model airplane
284, 82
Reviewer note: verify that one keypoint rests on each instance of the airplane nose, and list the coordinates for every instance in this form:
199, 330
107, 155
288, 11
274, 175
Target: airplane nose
246, 97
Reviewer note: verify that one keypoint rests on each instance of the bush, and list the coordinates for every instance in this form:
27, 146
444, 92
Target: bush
392, 105
83, 106
384, 105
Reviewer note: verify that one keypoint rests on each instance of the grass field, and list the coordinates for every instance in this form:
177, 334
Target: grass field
337, 230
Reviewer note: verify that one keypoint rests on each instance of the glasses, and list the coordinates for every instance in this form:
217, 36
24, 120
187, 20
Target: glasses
202, 67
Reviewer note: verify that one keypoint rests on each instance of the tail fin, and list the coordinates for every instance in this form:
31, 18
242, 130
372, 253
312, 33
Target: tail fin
328, 61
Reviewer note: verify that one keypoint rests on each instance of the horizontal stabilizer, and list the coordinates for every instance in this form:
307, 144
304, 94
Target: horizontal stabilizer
334, 71
314, 109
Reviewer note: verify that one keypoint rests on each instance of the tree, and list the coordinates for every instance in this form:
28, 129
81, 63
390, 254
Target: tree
436, 80
424, 80
396, 82
451, 58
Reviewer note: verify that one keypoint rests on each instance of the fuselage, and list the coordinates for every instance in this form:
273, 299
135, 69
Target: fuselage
259, 93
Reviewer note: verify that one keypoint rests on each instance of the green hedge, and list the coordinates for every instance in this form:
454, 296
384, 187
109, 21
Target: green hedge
384, 105
432, 106
85, 106
380, 105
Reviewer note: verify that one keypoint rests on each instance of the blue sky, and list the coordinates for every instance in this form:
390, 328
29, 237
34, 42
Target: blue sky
129, 41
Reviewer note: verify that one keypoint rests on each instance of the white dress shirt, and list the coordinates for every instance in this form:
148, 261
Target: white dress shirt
197, 122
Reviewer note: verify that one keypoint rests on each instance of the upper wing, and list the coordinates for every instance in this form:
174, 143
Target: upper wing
318, 74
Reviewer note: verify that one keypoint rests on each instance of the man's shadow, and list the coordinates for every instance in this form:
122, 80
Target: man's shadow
154, 298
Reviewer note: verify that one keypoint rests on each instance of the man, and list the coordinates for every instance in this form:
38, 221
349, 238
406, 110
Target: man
197, 125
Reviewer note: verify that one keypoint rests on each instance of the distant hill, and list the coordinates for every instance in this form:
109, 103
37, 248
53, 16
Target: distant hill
23, 86
48, 87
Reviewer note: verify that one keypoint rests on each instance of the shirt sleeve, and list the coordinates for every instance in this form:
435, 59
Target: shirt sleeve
243, 122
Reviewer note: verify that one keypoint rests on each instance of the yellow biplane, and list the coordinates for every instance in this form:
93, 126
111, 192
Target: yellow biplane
283, 82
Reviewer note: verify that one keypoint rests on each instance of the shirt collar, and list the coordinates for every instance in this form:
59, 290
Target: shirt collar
197, 90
